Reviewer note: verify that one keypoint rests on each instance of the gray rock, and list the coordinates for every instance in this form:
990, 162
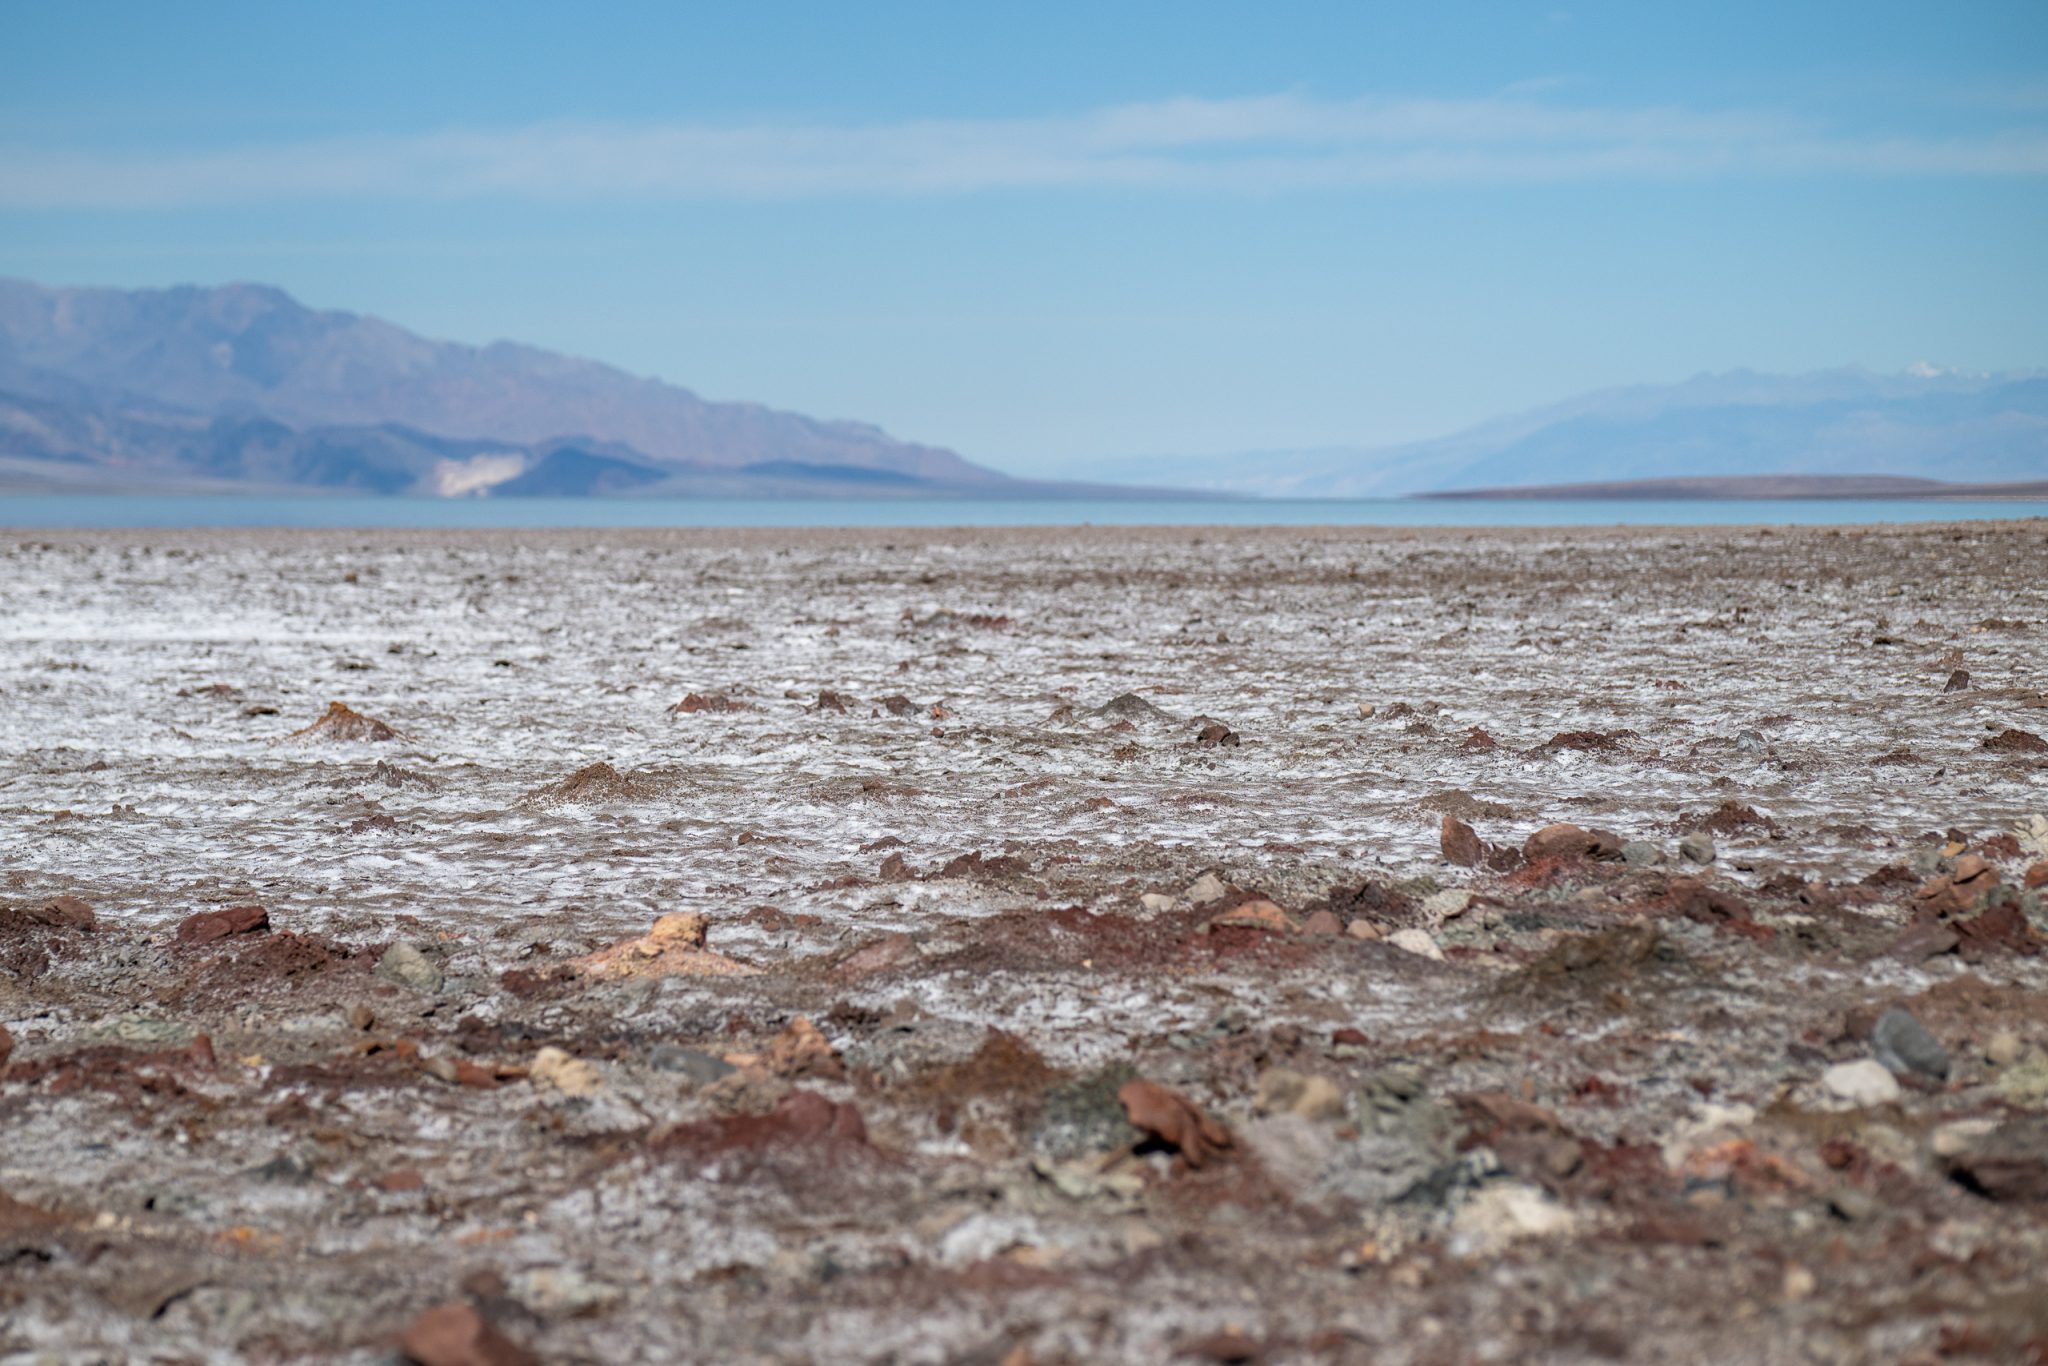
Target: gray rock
700, 1068
1083, 1116
404, 964
1752, 744
146, 1031
1133, 708
1641, 854
1698, 847
1903, 1044
285, 1168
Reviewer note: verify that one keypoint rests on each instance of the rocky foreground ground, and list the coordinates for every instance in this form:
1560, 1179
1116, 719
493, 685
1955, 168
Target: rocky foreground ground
1025, 946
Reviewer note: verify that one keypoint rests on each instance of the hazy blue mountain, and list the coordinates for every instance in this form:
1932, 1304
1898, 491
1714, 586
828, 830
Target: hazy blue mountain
101, 361
1923, 424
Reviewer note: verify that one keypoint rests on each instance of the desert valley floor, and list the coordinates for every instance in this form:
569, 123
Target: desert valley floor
1025, 946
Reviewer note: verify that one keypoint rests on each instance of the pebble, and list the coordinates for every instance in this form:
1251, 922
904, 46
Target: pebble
404, 964
1366, 710
1417, 942
1447, 905
564, 1292
1903, 1044
1698, 847
571, 1076
1641, 854
701, 1068
1501, 1212
1156, 902
1362, 929
1205, 889
2003, 1050
148, 1031
1312, 1097
1751, 743
2025, 1082
1864, 1083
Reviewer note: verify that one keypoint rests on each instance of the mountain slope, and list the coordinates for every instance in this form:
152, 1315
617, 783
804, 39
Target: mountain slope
1965, 428
254, 349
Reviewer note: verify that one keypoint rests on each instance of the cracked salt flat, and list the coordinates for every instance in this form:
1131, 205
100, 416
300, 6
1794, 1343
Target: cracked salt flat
509, 660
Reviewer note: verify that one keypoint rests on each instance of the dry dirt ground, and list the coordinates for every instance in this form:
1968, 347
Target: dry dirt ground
1025, 946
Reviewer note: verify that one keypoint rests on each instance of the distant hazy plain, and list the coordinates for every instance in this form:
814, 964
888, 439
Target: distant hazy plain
116, 510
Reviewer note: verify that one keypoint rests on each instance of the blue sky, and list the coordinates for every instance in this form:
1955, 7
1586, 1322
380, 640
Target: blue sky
1062, 231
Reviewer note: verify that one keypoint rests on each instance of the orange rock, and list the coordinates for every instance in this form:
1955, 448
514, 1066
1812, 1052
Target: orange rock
2037, 876
1258, 915
1175, 1120
675, 947
801, 1051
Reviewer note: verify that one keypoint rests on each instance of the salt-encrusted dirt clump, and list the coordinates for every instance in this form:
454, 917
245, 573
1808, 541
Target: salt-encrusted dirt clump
342, 724
1204, 945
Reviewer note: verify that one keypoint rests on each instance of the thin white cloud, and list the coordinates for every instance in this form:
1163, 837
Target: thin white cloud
1259, 144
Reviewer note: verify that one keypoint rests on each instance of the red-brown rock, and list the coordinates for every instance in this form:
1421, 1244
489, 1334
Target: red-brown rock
2000, 929
1710, 905
1564, 840
2037, 876
65, 911
801, 1118
208, 926
454, 1334
2016, 742
713, 702
1174, 1120
1460, 843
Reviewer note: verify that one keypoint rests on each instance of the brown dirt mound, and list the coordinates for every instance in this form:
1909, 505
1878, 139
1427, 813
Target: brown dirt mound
1588, 742
343, 724
2016, 742
802, 1120
593, 785
713, 702
1731, 818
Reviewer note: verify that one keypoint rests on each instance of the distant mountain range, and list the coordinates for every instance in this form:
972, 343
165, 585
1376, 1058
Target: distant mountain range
1923, 424
242, 387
